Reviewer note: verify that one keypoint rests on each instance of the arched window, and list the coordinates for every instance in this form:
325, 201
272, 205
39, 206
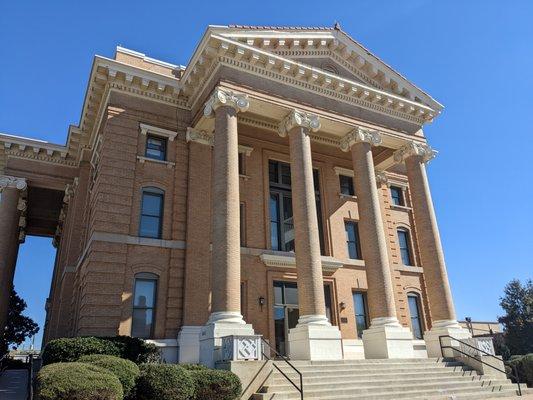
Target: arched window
151, 220
404, 241
144, 302
416, 315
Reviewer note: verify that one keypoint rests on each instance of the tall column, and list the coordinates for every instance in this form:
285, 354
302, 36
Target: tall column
225, 318
10, 206
385, 338
442, 310
313, 338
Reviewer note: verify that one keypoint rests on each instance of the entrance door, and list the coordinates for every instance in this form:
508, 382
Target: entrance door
286, 312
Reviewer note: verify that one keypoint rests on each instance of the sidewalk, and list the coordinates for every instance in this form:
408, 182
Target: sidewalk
13, 384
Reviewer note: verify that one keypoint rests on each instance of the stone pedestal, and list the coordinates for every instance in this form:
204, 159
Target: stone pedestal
440, 328
387, 338
189, 344
314, 338
219, 326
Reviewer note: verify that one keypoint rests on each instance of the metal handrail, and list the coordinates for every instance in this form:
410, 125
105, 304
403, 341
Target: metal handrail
286, 359
30, 377
2, 359
515, 376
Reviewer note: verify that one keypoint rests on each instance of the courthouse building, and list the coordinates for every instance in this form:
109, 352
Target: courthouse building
275, 185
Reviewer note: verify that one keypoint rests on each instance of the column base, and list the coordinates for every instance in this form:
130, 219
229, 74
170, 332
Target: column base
314, 338
189, 344
387, 338
444, 327
220, 324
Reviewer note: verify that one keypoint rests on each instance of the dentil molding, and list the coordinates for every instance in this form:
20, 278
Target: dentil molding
224, 97
360, 134
412, 148
301, 119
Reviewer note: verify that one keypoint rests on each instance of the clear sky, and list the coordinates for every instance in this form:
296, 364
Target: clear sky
475, 57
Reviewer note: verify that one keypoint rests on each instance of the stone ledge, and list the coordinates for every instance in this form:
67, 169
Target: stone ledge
143, 159
286, 260
409, 269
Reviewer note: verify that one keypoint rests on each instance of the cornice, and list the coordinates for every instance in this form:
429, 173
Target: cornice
295, 118
222, 97
358, 135
146, 129
410, 149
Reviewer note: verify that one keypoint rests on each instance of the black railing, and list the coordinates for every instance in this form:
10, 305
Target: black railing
3, 362
30, 377
286, 359
513, 368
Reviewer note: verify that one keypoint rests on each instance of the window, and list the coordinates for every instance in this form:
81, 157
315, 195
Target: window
405, 243
151, 213
242, 170
346, 183
156, 148
360, 307
242, 224
396, 194
414, 310
144, 299
280, 206
352, 240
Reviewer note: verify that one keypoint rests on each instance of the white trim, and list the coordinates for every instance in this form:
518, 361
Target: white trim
146, 129
247, 150
344, 171
400, 208
120, 49
409, 269
143, 159
286, 261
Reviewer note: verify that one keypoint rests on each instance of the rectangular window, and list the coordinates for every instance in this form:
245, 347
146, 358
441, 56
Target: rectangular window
144, 300
280, 206
414, 310
405, 249
156, 148
242, 224
396, 194
151, 213
352, 240
360, 308
346, 184
242, 170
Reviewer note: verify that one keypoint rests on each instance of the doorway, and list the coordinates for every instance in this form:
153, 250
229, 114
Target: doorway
286, 312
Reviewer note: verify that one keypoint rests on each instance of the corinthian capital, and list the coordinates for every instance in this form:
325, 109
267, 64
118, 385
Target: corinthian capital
410, 149
360, 135
12, 182
224, 97
299, 119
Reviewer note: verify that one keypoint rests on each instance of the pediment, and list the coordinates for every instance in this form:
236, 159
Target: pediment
328, 47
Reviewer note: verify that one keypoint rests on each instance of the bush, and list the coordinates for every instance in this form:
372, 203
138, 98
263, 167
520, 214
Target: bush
71, 349
211, 384
135, 349
125, 370
523, 366
77, 381
164, 382
193, 367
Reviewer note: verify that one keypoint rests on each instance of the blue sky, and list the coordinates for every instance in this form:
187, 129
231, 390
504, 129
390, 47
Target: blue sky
475, 57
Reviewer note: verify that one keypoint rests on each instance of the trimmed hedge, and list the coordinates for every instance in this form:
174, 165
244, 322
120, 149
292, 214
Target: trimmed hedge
77, 381
125, 370
194, 367
524, 367
164, 382
71, 349
214, 384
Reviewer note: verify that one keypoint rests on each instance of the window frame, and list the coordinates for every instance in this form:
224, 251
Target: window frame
365, 309
407, 248
156, 192
355, 224
419, 317
164, 142
401, 197
146, 277
351, 186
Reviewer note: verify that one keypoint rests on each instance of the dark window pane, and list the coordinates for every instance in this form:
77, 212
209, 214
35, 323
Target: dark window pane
151, 215
285, 174
416, 321
346, 184
397, 196
291, 293
273, 171
274, 222
278, 293
144, 293
241, 163
151, 204
361, 320
403, 240
143, 307
352, 240
149, 227
242, 224
156, 148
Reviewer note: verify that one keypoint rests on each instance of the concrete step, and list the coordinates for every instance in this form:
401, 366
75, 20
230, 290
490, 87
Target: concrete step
386, 369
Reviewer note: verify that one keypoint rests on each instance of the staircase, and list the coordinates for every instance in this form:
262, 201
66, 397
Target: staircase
432, 378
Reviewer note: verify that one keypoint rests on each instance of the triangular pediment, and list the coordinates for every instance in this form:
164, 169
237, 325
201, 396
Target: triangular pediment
332, 50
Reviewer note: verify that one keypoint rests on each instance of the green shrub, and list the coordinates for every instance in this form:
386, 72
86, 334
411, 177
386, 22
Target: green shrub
211, 384
137, 350
164, 382
513, 367
71, 349
125, 370
526, 369
77, 381
194, 367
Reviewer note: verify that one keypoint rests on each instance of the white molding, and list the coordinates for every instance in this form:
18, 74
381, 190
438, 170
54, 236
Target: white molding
409, 269
143, 159
295, 118
120, 49
146, 129
199, 136
412, 148
344, 171
285, 261
360, 134
247, 150
223, 97
400, 208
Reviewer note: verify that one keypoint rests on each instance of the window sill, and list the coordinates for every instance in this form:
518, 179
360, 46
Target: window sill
400, 208
347, 196
143, 159
288, 260
354, 262
409, 268
245, 177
